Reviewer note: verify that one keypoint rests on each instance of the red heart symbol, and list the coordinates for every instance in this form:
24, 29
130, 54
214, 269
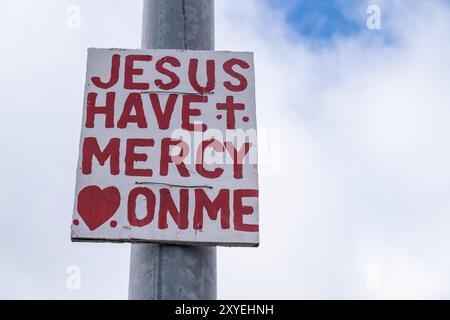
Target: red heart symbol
96, 206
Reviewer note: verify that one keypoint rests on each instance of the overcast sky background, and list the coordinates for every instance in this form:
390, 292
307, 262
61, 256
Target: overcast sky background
354, 179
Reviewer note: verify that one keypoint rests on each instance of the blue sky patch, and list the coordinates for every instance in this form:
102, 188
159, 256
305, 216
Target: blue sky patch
321, 18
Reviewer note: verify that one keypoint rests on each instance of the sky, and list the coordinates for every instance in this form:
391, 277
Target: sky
354, 148
319, 19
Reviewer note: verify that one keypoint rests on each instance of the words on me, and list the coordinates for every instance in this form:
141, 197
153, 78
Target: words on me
168, 149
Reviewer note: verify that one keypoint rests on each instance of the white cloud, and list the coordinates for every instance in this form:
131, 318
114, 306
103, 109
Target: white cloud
359, 207
364, 178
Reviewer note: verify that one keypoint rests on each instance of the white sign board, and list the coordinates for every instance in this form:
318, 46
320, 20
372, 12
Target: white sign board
168, 149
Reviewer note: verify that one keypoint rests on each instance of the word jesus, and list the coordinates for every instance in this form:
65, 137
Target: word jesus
130, 70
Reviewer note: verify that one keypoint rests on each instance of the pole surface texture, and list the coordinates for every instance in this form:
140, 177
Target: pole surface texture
173, 271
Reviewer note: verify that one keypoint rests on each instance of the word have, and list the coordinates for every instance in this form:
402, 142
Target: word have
134, 112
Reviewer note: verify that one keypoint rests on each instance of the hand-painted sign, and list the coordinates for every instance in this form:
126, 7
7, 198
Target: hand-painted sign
168, 148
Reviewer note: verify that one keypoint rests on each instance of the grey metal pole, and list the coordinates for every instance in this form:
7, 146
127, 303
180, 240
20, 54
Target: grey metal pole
170, 271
